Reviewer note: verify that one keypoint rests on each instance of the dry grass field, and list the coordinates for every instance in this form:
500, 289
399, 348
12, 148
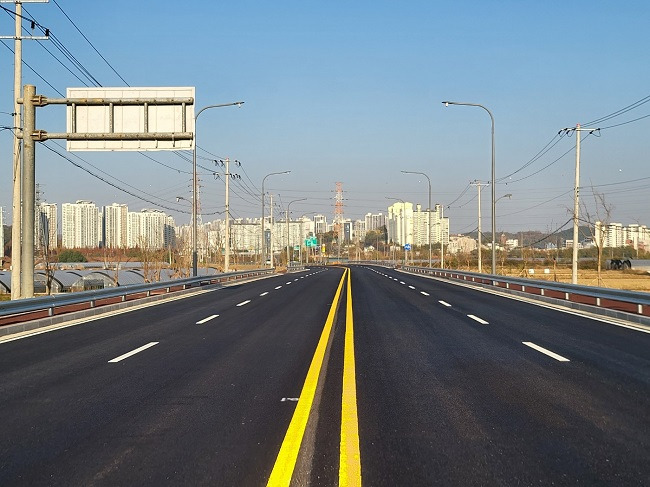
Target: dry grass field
628, 280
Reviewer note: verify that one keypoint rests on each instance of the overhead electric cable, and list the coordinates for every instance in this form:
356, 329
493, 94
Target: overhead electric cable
90, 43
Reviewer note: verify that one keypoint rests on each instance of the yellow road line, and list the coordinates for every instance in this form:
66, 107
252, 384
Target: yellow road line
286, 460
350, 456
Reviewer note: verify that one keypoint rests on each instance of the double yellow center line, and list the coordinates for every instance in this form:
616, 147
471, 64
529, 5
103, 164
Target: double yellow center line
349, 456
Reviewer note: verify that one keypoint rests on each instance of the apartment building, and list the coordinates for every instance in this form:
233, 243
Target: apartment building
46, 231
150, 229
116, 226
81, 225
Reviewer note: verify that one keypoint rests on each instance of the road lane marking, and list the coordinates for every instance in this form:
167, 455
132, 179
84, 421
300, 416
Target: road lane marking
289, 282
288, 454
205, 320
411, 287
476, 318
278, 287
244, 302
293, 399
264, 293
554, 355
349, 452
425, 294
133, 352
445, 303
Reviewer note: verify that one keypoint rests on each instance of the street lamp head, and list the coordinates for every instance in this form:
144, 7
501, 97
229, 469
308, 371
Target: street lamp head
445, 103
239, 104
509, 195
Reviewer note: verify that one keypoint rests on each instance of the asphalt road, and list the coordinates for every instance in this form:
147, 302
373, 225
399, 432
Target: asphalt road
453, 387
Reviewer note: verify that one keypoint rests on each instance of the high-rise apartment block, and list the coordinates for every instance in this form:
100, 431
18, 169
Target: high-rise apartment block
616, 235
115, 226
320, 223
149, 229
47, 224
374, 221
2, 233
417, 227
81, 225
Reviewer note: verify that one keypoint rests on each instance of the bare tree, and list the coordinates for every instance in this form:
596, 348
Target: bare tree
598, 221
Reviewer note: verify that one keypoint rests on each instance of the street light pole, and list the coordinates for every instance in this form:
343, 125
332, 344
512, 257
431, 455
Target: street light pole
288, 241
195, 184
429, 209
494, 223
263, 263
403, 218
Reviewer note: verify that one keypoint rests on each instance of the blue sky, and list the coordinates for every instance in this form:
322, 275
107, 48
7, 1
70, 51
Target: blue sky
352, 92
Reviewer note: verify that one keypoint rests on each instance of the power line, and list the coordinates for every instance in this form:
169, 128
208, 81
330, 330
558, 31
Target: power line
536, 157
625, 123
34, 71
90, 43
623, 110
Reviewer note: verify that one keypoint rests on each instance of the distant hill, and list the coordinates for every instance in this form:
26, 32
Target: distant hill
537, 238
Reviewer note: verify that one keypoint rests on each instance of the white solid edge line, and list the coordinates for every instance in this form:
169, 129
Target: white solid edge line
244, 302
476, 318
205, 320
264, 293
132, 352
554, 355
425, 294
445, 303
603, 319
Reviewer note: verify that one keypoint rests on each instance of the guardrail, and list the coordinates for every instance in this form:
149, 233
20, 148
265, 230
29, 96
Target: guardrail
293, 267
47, 306
629, 302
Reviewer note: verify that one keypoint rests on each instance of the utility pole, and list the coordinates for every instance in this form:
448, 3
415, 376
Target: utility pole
478, 184
16, 224
442, 236
28, 183
576, 202
288, 240
263, 240
271, 223
226, 266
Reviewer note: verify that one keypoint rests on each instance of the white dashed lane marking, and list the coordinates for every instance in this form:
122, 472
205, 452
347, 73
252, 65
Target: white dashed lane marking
244, 302
476, 318
445, 303
543, 350
132, 352
205, 320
